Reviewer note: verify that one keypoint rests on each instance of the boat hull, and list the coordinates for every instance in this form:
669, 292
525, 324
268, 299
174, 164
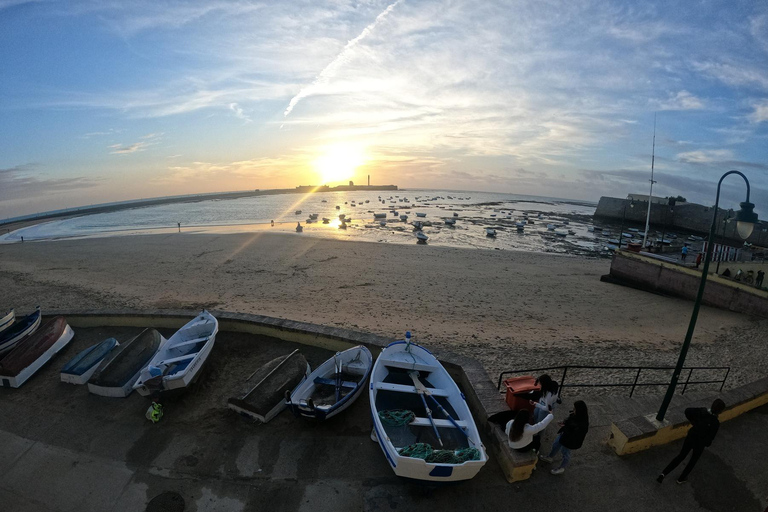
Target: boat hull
80, 369
19, 379
7, 321
421, 361
11, 338
298, 401
242, 408
117, 374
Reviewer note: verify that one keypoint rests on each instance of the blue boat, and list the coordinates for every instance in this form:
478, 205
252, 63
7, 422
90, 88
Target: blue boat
82, 366
11, 336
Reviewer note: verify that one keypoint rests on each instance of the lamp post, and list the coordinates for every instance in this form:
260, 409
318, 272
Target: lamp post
726, 218
745, 223
624, 218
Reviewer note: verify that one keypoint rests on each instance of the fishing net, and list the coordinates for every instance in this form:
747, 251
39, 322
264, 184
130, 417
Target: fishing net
426, 452
396, 417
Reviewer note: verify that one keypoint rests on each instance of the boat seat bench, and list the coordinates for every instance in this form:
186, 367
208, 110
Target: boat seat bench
332, 382
424, 422
178, 359
405, 365
405, 388
190, 342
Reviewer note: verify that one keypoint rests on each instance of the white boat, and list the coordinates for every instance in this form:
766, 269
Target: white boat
421, 236
450, 222
178, 362
7, 320
404, 218
264, 395
409, 384
417, 225
82, 366
34, 351
117, 374
490, 232
421, 214
333, 386
550, 227
18, 331
561, 233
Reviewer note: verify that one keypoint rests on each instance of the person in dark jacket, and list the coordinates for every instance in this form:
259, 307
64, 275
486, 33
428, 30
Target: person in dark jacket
704, 427
571, 436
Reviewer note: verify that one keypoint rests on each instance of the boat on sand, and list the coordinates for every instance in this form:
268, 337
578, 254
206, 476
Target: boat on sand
333, 386
7, 320
18, 331
82, 366
421, 419
116, 374
34, 351
264, 392
178, 362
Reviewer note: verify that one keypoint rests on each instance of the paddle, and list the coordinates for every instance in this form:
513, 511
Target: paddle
420, 390
424, 391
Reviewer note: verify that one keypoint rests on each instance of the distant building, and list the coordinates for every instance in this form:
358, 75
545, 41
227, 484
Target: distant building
644, 198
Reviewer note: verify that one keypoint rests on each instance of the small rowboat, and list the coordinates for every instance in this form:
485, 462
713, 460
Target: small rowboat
7, 320
490, 232
266, 388
421, 214
333, 386
18, 331
450, 222
178, 362
421, 419
31, 353
82, 366
421, 237
117, 374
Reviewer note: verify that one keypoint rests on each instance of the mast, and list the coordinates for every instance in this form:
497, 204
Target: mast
650, 194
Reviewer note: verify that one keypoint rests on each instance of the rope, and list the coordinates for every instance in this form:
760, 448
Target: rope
396, 417
426, 452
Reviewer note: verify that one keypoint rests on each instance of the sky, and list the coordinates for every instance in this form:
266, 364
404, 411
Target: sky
107, 100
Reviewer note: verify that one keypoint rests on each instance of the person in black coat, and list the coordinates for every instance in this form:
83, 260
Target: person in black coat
704, 427
571, 436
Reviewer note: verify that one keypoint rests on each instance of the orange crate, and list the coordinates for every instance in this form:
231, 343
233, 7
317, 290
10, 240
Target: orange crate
520, 391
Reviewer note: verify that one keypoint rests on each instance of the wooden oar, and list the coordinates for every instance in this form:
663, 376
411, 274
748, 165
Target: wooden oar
424, 391
420, 391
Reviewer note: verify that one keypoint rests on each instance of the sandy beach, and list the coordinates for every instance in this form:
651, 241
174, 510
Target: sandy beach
507, 309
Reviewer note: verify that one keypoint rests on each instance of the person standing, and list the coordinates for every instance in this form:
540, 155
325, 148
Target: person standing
759, 279
704, 427
571, 436
684, 252
698, 260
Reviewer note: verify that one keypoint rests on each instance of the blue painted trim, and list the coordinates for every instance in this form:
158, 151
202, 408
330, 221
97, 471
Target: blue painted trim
412, 343
441, 471
382, 442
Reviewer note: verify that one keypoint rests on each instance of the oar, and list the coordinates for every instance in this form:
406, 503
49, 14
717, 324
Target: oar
422, 389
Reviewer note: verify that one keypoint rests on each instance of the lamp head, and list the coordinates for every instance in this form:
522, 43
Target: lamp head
745, 220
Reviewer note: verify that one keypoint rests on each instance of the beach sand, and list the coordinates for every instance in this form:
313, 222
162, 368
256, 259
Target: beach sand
507, 309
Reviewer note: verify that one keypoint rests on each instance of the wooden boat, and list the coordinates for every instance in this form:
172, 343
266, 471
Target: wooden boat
379, 215
31, 353
117, 373
450, 222
18, 331
82, 366
334, 385
421, 214
407, 378
265, 390
178, 362
7, 320
421, 236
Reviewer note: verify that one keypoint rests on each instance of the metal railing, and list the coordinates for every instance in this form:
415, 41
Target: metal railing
633, 385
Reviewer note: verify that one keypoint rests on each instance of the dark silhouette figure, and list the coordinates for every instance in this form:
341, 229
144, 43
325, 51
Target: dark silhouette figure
704, 427
179, 223
759, 279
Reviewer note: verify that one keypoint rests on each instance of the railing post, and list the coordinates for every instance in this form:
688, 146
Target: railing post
562, 382
724, 378
686, 381
639, 369
498, 385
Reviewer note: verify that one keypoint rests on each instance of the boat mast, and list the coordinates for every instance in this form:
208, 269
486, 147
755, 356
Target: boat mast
650, 194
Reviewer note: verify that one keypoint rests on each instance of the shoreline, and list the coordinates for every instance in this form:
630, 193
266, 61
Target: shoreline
508, 309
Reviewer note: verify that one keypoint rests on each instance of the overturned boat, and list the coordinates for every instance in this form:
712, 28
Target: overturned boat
18, 331
117, 374
82, 366
31, 353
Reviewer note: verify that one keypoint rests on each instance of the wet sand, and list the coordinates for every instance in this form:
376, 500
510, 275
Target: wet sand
508, 309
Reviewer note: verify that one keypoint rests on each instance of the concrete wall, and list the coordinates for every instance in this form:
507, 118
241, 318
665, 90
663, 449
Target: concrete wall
685, 216
672, 279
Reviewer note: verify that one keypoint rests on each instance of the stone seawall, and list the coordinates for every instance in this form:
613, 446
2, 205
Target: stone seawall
672, 279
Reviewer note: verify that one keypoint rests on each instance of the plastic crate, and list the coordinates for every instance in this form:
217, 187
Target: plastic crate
520, 392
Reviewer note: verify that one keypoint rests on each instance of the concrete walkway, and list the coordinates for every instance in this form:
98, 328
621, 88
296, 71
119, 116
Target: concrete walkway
62, 449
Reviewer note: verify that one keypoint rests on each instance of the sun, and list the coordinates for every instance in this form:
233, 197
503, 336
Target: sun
339, 162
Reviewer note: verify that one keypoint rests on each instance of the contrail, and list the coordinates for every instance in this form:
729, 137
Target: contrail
340, 59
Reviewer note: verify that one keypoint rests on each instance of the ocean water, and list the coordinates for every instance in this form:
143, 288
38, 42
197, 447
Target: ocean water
474, 212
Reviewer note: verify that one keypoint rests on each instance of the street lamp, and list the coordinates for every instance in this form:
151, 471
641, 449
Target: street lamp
745, 223
624, 218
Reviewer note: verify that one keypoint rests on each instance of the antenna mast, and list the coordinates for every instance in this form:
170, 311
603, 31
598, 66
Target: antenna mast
650, 194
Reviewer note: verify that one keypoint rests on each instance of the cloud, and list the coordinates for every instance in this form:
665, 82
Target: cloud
151, 139
761, 112
705, 156
330, 70
682, 100
238, 111
28, 181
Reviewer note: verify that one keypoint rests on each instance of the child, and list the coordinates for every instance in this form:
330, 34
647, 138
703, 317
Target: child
571, 436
